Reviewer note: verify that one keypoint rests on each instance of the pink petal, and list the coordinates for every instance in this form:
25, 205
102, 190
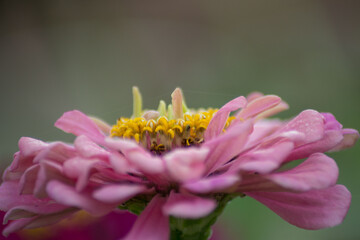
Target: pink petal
119, 163
28, 179
30, 146
264, 159
56, 152
67, 195
262, 129
37, 221
77, 123
186, 164
218, 121
152, 224
145, 162
88, 148
80, 169
141, 160
308, 122
50, 219
26, 211
137, 155
282, 106
331, 138
17, 167
228, 145
214, 184
317, 172
296, 137
23, 159
188, 206
123, 145
330, 122
10, 197
20, 206
350, 138
253, 95
17, 225
259, 105
48, 171
103, 126
118, 193
310, 210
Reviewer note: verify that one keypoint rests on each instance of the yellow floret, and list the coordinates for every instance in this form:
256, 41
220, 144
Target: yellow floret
190, 126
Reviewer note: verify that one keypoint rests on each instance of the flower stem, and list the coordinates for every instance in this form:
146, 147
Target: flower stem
197, 229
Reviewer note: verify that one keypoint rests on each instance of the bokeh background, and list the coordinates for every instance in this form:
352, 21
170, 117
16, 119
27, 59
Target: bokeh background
57, 56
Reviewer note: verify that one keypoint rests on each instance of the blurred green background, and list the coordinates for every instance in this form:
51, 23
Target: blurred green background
57, 56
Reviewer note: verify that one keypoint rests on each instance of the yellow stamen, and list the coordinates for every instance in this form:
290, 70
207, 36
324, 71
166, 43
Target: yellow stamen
166, 133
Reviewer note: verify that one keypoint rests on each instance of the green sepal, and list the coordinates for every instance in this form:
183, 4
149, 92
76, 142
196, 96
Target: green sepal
136, 205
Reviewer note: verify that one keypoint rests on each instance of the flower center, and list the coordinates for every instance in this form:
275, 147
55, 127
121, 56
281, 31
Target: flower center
166, 128
162, 135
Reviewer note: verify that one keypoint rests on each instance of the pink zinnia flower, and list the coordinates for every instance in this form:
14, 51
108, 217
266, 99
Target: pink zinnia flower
178, 167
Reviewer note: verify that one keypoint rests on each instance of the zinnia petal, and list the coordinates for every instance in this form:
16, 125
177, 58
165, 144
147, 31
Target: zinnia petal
37, 221
137, 156
48, 171
188, 206
217, 123
228, 145
186, 164
331, 138
308, 122
23, 159
119, 163
310, 210
56, 152
262, 129
282, 106
118, 193
350, 138
30, 146
17, 225
10, 197
33, 210
152, 224
317, 172
213, 184
80, 169
259, 105
103, 126
263, 160
28, 179
88, 148
145, 162
67, 195
78, 123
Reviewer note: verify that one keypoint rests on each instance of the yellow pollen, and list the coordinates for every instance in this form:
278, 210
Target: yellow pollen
163, 134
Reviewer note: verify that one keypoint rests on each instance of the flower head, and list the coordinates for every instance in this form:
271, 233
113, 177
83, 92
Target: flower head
181, 163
